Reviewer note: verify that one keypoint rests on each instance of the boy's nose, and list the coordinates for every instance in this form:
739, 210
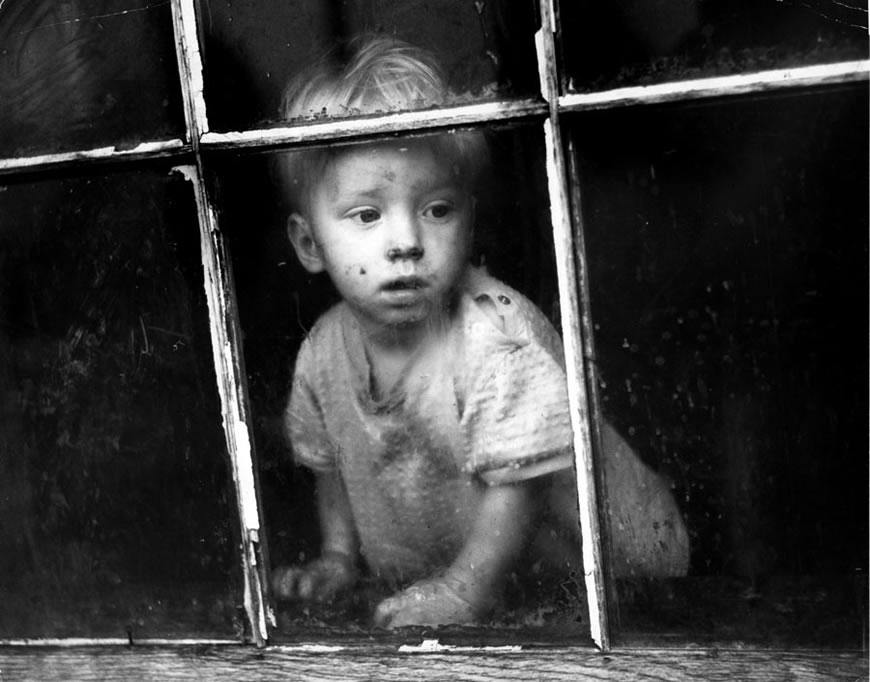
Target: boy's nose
405, 241
396, 253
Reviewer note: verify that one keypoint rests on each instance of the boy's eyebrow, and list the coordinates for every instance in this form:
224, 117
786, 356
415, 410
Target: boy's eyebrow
450, 185
372, 193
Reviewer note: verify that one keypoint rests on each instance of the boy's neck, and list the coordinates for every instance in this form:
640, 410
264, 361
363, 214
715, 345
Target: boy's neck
390, 351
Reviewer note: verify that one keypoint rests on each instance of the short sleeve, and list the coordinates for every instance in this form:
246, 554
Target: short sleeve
517, 421
303, 418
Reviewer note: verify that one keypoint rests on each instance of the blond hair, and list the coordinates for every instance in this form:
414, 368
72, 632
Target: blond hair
375, 74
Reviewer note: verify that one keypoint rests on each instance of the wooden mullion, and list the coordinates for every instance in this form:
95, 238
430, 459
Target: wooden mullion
570, 310
224, 327
190, 73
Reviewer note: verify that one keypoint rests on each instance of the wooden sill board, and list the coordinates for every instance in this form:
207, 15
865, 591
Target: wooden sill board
324, 662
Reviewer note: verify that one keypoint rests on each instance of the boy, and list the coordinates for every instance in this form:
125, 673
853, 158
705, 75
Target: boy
431, 402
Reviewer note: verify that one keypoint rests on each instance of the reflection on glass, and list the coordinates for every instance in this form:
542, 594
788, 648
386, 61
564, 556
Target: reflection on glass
116, 502
630, 42
727, 250
253, 49
77, 74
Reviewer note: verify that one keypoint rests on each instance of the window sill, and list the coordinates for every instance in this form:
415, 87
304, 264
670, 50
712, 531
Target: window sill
363, 662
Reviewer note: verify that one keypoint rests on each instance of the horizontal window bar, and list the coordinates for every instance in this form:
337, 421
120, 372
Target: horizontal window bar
57, 642
504, 111
144, 150
382, 124
719, 86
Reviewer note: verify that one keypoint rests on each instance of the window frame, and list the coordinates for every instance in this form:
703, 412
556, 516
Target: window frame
566, 222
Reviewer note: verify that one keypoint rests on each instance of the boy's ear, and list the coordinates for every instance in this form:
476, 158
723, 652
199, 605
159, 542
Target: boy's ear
302, 237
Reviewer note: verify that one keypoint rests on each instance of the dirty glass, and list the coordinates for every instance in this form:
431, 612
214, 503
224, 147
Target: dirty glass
279, 304
252, 50
78, 74
631, 42
727, 251
117, 507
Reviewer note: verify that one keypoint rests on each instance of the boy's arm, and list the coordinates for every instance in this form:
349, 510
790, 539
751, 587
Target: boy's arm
321, 579
473, 581
499, 534
337, 531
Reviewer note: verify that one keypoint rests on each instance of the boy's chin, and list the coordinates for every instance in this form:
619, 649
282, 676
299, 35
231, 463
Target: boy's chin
404, 321
410, 321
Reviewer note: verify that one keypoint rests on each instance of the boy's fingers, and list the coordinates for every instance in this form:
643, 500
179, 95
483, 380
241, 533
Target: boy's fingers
409, 616
306, 585
386, 610
316, 581
424, 604
284, 581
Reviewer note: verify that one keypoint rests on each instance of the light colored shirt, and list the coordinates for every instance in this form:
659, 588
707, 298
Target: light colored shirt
483, 402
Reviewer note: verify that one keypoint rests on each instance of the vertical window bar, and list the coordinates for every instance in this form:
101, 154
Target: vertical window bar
592, 398
569, 303
223, 325
189, 69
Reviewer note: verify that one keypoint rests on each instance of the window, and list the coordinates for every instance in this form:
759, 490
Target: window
680, 187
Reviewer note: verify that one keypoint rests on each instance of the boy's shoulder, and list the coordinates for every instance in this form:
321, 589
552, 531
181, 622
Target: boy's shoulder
326, 334
508, 310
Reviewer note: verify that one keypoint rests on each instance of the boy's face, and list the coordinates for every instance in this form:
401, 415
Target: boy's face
392, 226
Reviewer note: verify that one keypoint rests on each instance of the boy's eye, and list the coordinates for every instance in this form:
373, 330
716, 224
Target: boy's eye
438, 211
366, 216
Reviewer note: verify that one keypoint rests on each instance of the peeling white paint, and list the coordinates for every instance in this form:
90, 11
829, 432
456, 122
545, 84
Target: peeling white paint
309, 648
542, 64
190, 67
61, 642
144, 149
428, 646
576, 392
246, 485
305, 130
569, 304
235, 427
187, 171
761, 81
230, 390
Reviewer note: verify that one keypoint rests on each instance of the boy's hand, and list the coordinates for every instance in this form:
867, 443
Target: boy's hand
319, 580
439, 601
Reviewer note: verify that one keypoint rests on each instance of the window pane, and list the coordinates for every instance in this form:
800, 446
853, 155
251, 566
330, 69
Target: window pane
253, 49
77, 74
727, 255
279, 302
628, 42
114, 486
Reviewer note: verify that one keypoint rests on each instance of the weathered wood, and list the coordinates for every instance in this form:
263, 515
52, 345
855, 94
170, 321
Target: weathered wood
229, 368
112, 154
563, 243
189, 68
341, 129
776, 80
314, 662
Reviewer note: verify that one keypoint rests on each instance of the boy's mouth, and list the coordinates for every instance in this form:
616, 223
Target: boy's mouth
404, 284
